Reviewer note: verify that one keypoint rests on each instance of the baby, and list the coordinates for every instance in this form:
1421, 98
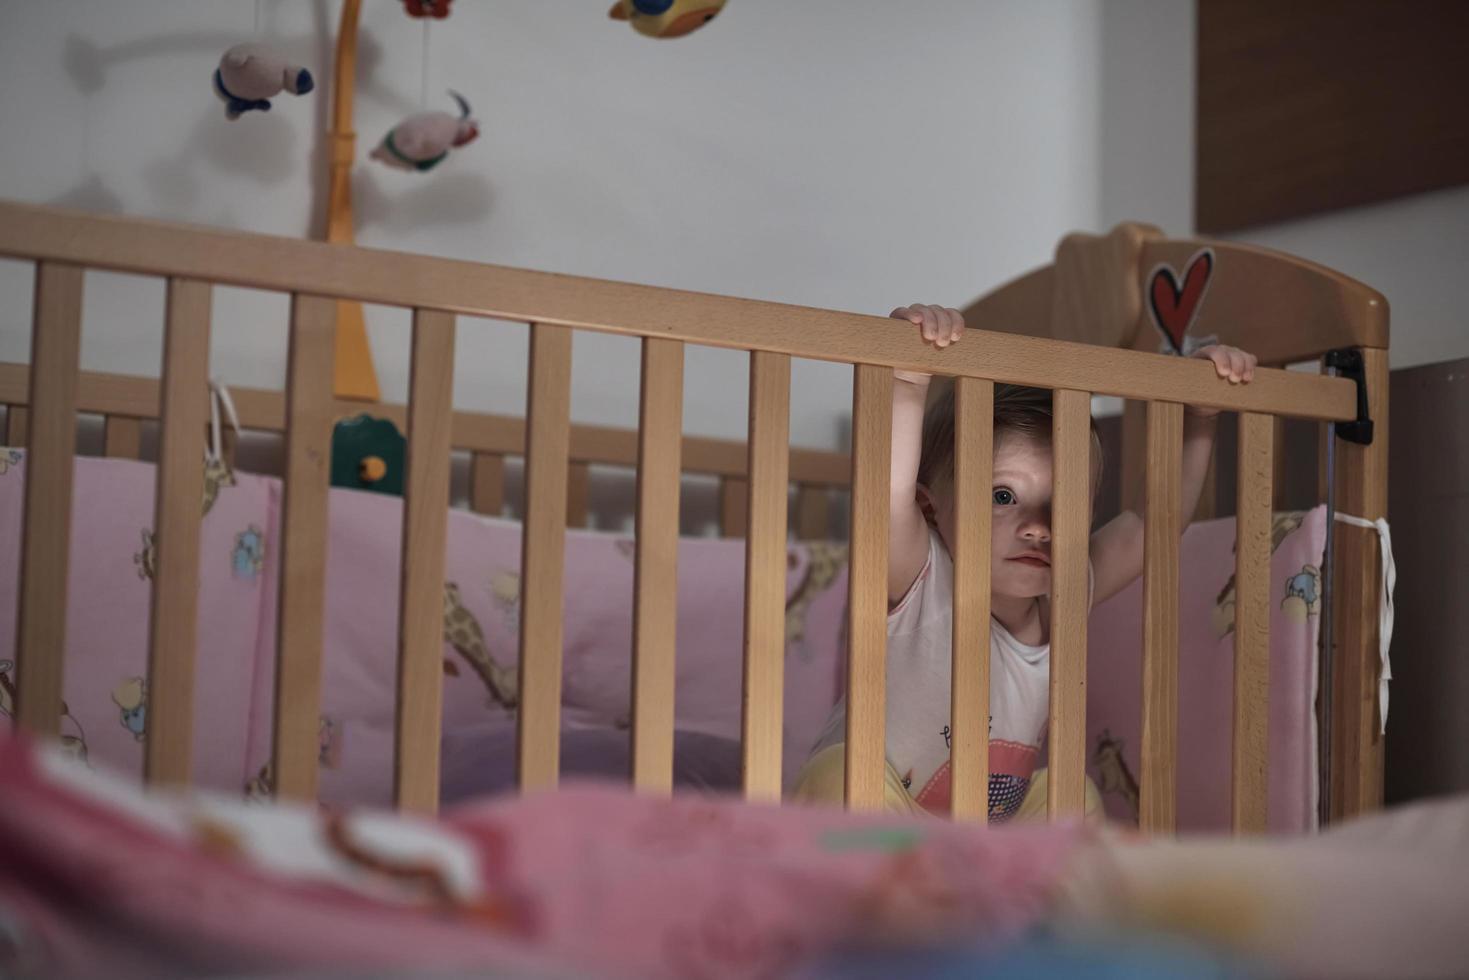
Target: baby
921, 584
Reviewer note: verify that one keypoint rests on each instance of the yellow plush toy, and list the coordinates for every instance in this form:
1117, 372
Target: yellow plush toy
666, 18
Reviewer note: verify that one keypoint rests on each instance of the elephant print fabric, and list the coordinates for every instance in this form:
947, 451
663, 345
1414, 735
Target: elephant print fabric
111, 563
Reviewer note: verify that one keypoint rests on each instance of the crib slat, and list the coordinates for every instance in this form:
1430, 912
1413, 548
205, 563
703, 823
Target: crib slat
1252, 621
543, 556
1070, 544
177, 515
765, 574
578, 495
734, 506
46, 524
813, 513
655, 581
1277, 441
487, 484
872, 431
1158, 792
17, 421
421, 599
122, 437
974, 406
303, 547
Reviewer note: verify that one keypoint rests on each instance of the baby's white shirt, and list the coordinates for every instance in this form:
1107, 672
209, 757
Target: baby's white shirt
919, 665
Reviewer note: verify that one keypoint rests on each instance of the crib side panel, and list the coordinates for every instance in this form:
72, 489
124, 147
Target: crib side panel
765, 574
655, 577
1250, 754
974, 404
122, 437
1070, 545
1158, 787
419, 711
872, 432
538, 748
46, 528
309, 419
178, 514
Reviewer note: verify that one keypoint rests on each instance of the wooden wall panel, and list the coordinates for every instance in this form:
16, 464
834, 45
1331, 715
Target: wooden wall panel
1313, 106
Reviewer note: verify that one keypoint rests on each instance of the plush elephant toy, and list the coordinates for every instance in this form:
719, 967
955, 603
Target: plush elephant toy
249, 74
422, 141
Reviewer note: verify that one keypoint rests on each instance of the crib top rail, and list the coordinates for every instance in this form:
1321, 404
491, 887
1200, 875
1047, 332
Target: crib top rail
497, 292
259, 409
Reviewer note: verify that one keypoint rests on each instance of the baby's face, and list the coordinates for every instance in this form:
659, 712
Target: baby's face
1020, 528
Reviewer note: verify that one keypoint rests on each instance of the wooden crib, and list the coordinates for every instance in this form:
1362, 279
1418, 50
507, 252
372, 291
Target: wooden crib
1077, 326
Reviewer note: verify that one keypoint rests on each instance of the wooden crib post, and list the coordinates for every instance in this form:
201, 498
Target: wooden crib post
543, 557
813, 512
765, 574
1158, 786
309, 416
578, 494
734, 506
1070, 545
1361, 491
655, 576
40, 644
122, 437
17, 422
974, 429
487, 484
177, 515
419, 717
872, 435
1252, 622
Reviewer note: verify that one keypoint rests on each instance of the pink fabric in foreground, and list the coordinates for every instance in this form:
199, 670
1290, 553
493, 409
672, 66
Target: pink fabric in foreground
97, 878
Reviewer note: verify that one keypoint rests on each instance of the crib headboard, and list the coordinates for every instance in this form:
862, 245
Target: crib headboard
1094, 281
1283, 309
1286, 311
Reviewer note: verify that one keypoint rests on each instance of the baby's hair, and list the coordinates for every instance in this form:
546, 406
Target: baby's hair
1018, 409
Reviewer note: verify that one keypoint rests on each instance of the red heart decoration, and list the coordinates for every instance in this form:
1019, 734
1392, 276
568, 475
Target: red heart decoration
1175, 307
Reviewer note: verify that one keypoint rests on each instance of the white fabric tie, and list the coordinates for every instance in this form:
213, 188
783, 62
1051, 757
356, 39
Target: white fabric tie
1384, 605
220, 395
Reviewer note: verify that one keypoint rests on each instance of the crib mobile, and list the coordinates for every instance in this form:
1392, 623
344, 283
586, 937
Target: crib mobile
666, 18
250, 74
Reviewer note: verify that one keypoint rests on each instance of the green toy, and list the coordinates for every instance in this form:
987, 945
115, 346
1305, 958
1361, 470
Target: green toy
368, 454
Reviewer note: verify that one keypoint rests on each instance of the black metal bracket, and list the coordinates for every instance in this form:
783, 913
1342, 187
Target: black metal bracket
1348, 363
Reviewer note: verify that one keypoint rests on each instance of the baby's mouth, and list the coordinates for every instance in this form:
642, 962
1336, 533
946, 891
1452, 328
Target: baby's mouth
1034, 561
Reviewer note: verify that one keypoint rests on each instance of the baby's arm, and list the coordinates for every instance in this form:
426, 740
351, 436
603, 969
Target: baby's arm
1117, 547
907, 529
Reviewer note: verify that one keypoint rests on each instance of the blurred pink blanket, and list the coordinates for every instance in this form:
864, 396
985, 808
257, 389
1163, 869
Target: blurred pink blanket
97, 878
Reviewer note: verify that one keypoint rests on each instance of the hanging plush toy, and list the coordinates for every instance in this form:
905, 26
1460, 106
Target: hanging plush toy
666, 18
249, 74
427, 8
421, 141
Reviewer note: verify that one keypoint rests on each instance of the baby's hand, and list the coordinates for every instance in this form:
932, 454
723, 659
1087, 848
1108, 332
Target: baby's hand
1231, 363
939, 325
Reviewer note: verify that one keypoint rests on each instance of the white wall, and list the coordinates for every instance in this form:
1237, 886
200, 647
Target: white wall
840, 153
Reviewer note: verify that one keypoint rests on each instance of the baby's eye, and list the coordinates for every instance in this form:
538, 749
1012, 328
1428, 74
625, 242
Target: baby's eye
1004, 497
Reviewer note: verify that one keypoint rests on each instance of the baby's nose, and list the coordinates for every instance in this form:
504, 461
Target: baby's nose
1036, 532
